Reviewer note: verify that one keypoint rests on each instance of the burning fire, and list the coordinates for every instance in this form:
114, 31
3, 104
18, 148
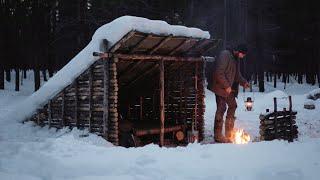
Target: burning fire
240, 137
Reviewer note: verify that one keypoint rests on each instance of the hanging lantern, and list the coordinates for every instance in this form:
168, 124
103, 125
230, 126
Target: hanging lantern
249, 104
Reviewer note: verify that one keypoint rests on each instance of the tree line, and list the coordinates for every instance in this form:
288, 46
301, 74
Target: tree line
43, 35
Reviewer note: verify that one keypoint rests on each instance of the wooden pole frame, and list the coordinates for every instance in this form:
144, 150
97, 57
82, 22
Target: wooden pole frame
142, 57
105, 98
162, 114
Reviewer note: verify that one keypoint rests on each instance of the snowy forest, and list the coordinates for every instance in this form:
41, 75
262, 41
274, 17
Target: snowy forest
43, 35
159, 89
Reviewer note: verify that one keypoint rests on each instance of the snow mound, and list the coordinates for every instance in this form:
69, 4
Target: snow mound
314, 94
309, 103
113, 32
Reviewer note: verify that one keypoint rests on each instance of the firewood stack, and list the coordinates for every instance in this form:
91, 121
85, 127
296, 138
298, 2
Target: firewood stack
279, 124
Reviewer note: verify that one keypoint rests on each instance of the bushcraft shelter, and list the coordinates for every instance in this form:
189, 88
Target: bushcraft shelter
145, 87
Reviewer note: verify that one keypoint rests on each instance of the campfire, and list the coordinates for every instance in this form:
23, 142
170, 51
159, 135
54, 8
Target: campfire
240, 137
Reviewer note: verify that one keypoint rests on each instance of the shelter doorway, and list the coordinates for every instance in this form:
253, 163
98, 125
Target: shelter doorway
141, 102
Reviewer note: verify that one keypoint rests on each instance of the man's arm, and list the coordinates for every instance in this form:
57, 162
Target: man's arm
221, 65
239, 78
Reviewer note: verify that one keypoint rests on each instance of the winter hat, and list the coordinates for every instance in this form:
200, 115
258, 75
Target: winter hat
242, 48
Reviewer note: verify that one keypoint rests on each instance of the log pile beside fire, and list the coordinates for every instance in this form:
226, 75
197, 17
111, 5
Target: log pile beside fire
279, 124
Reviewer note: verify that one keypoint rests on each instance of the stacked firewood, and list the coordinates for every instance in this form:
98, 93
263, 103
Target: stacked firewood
279, 124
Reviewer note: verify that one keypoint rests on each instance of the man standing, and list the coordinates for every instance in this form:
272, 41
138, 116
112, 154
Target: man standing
226, 79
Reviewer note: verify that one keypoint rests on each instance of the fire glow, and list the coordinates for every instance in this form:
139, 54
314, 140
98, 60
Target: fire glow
241, 137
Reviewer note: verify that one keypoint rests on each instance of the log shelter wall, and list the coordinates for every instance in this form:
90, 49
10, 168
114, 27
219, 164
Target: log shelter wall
124, 85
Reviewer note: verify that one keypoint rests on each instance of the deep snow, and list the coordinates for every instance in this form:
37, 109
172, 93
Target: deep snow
30, 152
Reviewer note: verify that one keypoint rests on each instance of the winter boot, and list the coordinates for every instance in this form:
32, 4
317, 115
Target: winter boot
218, 136
229, 125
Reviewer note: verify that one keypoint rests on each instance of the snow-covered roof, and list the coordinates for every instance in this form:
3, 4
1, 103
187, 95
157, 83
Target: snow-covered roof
113, 32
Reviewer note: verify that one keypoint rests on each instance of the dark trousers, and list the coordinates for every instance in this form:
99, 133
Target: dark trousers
222, 103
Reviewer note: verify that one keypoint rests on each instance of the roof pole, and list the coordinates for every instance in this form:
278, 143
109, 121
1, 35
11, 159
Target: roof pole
161, 84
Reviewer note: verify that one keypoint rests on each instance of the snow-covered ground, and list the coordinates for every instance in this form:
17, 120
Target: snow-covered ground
30, 152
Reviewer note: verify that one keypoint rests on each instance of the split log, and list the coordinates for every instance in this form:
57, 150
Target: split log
279, 132
156, 130
273, 137
279, 113
279, 128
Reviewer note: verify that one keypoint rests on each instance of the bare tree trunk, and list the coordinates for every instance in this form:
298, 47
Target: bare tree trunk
275, 80
255, 78
8, 75
318, 76
318, 73
1, 78
36, 79
24, 74
300, 78
50, 73
44, 74
284, 77
17, 88
261, 80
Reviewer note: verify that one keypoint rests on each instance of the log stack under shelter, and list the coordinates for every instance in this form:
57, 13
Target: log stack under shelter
279, 124
146, 88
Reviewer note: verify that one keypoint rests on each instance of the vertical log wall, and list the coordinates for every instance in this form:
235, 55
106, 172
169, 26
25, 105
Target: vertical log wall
92, 100
113, 134
184, 102
84, 104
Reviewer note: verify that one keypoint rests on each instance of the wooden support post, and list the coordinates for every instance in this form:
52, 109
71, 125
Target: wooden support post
290, 104
113, 128
275, 117
162, 115
166, 94
291, 121
105, 98
196, 96
49, 114
180, 98
90, 99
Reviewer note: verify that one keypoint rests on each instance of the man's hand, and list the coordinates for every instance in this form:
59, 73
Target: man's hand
246, 85
228, 90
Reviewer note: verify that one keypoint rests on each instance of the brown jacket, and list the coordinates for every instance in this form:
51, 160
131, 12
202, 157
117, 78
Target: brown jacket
226, 72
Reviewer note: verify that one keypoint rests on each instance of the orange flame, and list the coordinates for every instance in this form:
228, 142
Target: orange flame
240, 137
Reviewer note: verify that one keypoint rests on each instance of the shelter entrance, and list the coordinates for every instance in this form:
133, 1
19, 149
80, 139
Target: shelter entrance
159, 101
